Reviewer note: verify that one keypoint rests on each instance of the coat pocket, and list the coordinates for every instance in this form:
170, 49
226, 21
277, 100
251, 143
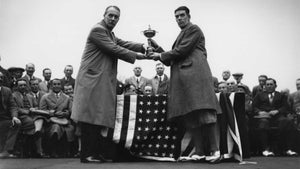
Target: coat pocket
92, 72
186, 64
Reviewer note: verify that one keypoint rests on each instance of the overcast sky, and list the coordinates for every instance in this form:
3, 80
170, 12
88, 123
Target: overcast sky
249, 36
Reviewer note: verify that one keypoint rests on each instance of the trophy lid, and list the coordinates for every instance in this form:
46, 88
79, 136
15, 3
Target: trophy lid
149, 33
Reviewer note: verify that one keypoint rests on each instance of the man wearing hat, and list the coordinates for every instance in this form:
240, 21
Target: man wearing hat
16, 73
238, 78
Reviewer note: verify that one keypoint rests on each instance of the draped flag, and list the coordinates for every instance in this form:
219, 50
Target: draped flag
141, 126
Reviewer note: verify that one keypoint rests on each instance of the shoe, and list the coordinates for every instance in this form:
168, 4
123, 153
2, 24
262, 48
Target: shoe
90, 159
267, 153
197, 158
214, 158
39, 155
291, 153
6, 154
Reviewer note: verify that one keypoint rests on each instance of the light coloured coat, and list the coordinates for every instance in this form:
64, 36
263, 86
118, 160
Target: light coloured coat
96, 82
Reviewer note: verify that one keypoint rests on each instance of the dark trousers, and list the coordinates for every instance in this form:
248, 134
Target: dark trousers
8, 135
276, 133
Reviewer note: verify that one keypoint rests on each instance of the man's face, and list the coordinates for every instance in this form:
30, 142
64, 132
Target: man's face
47, 74
68, 90
160, 70
34, 85
262, 81
30, 69
137, 71
231, 86
18, 74
56, 86
298, 84
68, 71
182, 18
222, 87
270, 86
226, 75
111, 17
22, 86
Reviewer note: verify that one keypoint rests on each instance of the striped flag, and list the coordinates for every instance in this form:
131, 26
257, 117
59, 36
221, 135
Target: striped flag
141, 126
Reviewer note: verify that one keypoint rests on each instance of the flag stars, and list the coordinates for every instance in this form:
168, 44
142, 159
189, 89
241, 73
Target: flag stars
147, 129
141, 111
163, 111
159, 137
157, 145
164, 102
165, 145
148, 111
156, 103
148, 103
139, 129
168, 128
173, 146
141, 103
167, 137
147, 120
155, 120
155, 111
174, 137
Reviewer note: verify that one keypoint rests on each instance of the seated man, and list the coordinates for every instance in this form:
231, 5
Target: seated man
270, 109
294, 101
31, 122
9, 123
59, 127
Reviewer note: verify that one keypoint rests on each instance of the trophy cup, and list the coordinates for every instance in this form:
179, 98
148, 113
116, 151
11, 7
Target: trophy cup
149, 33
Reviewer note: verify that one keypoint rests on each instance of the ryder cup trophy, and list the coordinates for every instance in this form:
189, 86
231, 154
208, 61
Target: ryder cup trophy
149, 33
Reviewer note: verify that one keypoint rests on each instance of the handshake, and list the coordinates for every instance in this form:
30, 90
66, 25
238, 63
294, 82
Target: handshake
150, 54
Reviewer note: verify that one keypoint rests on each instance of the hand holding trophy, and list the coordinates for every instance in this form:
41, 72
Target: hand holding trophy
149, 33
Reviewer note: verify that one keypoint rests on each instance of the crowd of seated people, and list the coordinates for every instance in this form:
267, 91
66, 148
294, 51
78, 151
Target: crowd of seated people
272, 117
35, 114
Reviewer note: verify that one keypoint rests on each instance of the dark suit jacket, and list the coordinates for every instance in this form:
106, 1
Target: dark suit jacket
18, 97
261, 103
38, 97
7, 77
64, 81
8, 104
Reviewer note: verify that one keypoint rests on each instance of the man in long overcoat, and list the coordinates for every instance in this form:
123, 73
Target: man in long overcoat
192, 100
95, 87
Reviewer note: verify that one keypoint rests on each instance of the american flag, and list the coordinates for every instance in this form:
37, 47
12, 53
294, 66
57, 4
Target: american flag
141, 126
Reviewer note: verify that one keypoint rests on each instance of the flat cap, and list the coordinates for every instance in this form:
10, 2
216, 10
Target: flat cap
13, 69
237, 74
